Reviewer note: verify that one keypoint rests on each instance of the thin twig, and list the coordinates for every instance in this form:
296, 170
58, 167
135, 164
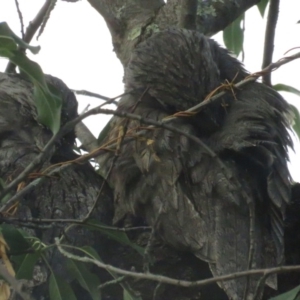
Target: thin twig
156, 291
20, 18
111, 282
31, 30
259, 287
173, 281
46, 18
66, 221
95, 95
85, 219
148, 248
269, 39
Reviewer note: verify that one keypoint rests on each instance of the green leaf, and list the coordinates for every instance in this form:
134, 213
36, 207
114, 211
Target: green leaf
48, 104
5, 31
59, 289
91, 252
24, 264
296, 120
233, 36
7, 44
104, 132
293, 294
14, 238
119, 236
86, 279
262, 5
126, 287
2, 186
130, 296
286, 88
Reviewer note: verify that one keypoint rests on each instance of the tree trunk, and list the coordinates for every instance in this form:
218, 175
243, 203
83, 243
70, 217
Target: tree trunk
71, 192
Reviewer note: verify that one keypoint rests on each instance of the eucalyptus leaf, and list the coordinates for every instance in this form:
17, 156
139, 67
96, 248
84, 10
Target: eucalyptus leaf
119, 236
2, 186
130, 296
5, 31
127, 290
24, 264
233, 36
104, 132
59, 289
296, 120
296, 115
286, 88
86, 279
7, 44
14, 238
47, 104
262, 5
293, 294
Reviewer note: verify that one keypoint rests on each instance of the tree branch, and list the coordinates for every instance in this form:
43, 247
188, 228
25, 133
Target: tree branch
86, 138
20, 18
269, 39
162, 124
132, 22
31, 30
173, 281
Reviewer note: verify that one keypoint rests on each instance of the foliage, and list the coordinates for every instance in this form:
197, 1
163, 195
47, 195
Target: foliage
233, 35
47, 103
27, 251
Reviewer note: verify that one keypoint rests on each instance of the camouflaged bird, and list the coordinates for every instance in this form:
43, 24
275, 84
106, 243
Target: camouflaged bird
202, 198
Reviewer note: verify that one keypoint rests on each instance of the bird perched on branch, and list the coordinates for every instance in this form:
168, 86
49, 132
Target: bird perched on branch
220, 188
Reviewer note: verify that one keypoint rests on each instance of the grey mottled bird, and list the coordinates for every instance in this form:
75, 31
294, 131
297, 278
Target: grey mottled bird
202, 202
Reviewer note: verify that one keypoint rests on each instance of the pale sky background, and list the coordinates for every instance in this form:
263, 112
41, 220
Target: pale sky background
76, 47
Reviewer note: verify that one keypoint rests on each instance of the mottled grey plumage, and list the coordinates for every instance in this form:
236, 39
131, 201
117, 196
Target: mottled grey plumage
19, 124
201, 209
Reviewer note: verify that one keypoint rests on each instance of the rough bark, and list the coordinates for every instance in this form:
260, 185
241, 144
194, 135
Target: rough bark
134, 21
72, 193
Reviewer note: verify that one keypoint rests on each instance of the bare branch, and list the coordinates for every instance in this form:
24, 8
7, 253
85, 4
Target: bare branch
20, 18
68, 221
46, 18
86, 138
31, 30
95, 95
269, 38
173, 281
